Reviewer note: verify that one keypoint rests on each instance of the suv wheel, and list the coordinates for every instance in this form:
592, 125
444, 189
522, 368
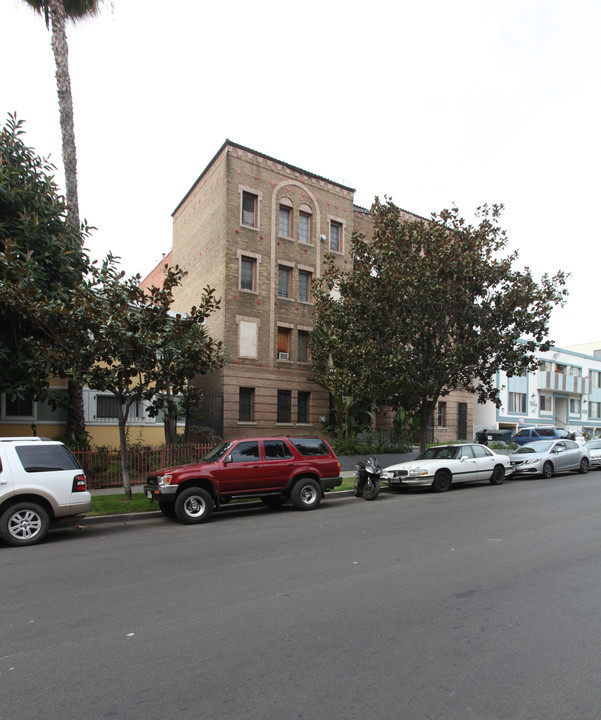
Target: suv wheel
24, 523
306, 494
193, 505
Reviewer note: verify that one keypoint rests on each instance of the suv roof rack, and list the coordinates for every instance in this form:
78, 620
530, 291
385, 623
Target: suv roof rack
36, 438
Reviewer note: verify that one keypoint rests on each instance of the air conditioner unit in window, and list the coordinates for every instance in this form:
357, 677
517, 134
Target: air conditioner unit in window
283, 356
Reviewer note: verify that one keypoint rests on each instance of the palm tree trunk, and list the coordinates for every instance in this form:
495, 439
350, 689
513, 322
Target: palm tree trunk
65, 104
76, 419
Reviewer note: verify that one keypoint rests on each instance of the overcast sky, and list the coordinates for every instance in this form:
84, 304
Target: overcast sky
432, 103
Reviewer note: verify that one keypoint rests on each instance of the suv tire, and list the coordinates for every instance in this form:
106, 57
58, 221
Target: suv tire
193, 506
24, 523
306, 494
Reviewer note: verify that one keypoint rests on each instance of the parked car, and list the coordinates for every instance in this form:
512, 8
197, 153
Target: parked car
546, 457
532, 434
441, 465
578, 437
594, 448
274, 470
40, 481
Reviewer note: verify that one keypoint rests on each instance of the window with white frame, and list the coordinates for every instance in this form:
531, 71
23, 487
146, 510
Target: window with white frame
574, 406
595, 379
442, 414
107, 408
17, 408
594, 410
546, 403
517, 402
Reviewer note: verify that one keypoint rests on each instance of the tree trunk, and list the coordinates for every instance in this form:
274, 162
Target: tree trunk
424, 418
65, 106
76, 424
124, 452
169, 420
76, 419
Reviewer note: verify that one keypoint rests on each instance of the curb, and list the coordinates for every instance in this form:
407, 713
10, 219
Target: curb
152, 514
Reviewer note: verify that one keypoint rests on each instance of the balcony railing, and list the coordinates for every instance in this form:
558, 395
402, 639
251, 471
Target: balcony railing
574, 384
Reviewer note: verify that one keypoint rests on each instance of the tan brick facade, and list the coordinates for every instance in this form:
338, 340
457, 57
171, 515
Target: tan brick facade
257, 230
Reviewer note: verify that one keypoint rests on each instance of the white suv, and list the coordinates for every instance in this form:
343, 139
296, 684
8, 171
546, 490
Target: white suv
40, 481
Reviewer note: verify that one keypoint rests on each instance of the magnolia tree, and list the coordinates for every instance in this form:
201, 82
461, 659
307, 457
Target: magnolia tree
41, 261
430, 306
141, 350
62, 315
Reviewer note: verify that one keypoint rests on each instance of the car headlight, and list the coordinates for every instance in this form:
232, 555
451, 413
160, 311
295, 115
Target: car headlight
417, 471
164, 479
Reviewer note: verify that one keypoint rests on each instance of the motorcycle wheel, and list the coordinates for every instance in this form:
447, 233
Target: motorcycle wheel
371, 490
357, 492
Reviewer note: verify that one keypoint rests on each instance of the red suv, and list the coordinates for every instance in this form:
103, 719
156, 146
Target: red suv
275, 469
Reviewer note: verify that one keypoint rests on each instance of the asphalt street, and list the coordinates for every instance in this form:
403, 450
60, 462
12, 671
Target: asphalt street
482, 603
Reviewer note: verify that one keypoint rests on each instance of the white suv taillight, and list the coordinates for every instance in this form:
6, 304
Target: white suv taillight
79, 483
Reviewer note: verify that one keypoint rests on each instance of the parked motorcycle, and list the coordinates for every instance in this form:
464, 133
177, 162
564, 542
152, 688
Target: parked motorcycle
367, 479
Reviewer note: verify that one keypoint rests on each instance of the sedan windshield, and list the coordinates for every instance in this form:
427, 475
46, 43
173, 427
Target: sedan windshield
443, 452
536, 447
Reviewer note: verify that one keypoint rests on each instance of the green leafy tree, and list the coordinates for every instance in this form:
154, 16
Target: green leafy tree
430, 306
41, 261
56, 14
142, 350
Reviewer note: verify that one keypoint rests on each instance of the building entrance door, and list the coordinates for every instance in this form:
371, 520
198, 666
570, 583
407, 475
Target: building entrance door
561, 411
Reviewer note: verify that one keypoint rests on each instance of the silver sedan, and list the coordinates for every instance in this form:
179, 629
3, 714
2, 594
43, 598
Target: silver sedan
546, 457
594, 447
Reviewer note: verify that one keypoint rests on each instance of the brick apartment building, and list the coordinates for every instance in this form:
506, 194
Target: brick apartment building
257, 230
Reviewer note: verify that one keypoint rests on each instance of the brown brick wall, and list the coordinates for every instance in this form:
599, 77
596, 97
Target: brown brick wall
209, 240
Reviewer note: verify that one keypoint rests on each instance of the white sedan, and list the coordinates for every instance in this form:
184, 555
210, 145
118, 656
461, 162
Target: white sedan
441, 465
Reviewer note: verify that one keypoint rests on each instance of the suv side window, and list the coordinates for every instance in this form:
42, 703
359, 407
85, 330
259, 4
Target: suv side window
46, 458
310, 446
245, 452
276, 450
523, 433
